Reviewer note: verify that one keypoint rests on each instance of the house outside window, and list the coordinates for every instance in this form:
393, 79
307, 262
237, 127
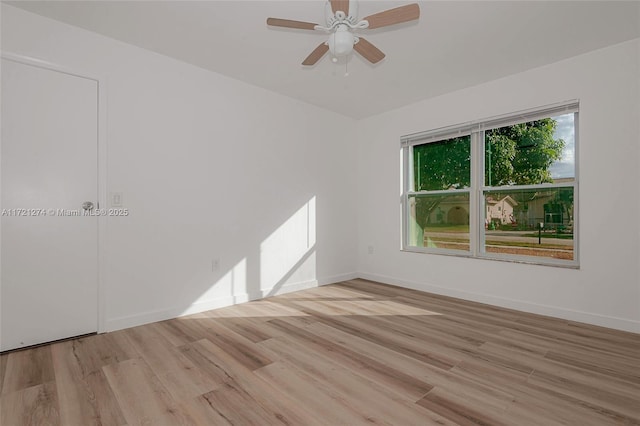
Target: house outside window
502, 188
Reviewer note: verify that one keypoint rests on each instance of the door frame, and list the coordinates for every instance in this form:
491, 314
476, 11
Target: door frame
101, 168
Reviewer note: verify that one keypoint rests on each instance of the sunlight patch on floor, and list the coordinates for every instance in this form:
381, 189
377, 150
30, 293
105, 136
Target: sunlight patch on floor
364, 307
257, 309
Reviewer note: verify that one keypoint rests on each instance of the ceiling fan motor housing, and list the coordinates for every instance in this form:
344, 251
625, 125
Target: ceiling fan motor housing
351, 15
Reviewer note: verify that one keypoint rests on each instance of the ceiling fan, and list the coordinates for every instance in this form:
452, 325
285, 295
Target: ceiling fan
341, 21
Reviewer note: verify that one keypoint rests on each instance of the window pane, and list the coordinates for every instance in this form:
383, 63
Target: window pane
442, 165
439, 221
530, 223
540, 151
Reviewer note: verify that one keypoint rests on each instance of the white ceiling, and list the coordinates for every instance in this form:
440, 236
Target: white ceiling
455, 44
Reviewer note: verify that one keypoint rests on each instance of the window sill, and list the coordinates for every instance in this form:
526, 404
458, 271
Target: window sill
515, 259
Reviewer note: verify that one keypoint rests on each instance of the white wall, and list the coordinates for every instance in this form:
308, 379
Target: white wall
606, 288
210, 168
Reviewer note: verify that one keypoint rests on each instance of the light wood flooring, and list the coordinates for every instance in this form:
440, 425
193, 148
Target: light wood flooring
352, 353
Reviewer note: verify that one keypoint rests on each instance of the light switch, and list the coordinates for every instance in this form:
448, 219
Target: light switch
116, 199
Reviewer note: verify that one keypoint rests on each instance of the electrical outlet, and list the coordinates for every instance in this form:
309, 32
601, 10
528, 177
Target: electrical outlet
215, 265
116, 199
370, 249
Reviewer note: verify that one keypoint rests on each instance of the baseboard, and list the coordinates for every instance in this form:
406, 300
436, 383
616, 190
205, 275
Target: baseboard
552, 311
288, 288
337, 278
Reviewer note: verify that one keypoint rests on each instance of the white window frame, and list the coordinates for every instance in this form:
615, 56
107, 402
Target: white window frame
477, 207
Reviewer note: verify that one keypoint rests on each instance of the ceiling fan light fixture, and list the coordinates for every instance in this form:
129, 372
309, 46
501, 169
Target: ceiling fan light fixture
341, 42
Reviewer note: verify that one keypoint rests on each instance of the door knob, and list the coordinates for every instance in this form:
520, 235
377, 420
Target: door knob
87, 205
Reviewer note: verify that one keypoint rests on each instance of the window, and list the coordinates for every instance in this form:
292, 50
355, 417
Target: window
438, 198
502, 188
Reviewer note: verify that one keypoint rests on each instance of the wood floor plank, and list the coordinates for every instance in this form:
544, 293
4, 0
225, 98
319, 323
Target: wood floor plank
248, 328
589, 381
589, 393
487, 321
571, 339
490, 394
239, 380
146, 339
450, 343
371, 398
232, 402
96, 351
201, 412
383, 337
576, 410
536, 404
84, 394
177, 331
325, 404
591, 333
245, 351
35, 405
378, 371
458, 410
179, 374
141, 396
452, 333
26, 368
619, 367
545, 409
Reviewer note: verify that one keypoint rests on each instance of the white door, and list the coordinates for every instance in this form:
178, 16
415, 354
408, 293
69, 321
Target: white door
49, 256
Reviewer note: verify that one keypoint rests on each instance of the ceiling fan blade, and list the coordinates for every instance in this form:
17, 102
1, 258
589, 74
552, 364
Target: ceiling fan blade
342, 5
398, 15
368, 51
317, 53
277, 22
